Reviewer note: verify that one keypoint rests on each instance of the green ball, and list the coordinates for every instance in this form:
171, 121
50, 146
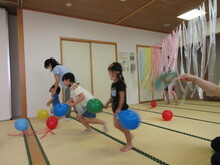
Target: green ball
94, 105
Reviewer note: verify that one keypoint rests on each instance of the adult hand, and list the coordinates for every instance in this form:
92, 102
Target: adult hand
187, 77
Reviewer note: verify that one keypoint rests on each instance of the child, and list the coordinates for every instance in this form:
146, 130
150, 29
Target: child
79, 98
118, 100
166, 91
207, 86
55, 97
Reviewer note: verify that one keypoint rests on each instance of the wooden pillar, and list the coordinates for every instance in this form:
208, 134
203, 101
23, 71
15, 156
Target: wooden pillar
21, 58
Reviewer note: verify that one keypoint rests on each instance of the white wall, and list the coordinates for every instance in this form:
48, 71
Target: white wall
15, 83
5, 80
42, 34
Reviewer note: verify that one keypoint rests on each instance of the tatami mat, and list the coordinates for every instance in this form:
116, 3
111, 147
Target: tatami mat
12, 148
70, 146
171, 147
185, 140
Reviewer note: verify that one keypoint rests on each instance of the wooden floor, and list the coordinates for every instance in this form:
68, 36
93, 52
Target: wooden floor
183, 141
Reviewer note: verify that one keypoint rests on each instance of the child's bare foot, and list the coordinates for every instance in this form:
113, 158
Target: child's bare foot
126, 148
167, 103
177, 103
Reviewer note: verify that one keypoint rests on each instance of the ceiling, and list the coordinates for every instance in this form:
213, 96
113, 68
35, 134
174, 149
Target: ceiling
142, 14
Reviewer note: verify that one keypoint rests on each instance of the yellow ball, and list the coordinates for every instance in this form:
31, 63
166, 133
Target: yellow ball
42, 114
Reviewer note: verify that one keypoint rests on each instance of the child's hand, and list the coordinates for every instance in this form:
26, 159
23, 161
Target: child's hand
117, 111
187, 77
106, 106
48, 104
71, 104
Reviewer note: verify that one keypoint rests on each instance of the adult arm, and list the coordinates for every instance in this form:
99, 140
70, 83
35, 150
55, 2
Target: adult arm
57, 81
207, 86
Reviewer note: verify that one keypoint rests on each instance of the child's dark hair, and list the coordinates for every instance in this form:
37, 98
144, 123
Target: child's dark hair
58, 89
115, 66
69, 76
51, 61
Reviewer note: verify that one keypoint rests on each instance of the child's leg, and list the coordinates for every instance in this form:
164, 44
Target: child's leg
97, 121
83, 121
94, 121
175, 96
167, 96
91, 118
127, 134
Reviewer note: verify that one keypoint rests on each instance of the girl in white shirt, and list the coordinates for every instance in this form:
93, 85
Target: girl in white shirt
78, 99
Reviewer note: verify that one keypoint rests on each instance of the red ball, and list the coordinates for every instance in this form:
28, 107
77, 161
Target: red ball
153, 104
52, 122
167, 115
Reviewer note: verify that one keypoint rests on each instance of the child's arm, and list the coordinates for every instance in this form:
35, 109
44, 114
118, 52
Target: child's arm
50, 101
207, 86
107, 104
121, 101
70, 100
81, 97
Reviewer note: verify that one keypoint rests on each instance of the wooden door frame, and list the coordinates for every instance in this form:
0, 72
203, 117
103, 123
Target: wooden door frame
139, 93
90, 47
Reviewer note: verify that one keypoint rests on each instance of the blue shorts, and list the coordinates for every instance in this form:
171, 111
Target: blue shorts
88, 114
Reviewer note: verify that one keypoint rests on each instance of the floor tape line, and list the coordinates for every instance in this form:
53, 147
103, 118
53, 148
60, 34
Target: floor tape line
172, 130
134, 148
187, 109
27, 150
190, 118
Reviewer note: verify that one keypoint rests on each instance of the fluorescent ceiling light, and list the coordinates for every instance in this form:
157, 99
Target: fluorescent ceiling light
191, 14
68, 4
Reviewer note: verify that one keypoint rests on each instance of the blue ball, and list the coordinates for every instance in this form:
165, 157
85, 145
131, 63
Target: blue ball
21, 124
129, 119
61, 109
